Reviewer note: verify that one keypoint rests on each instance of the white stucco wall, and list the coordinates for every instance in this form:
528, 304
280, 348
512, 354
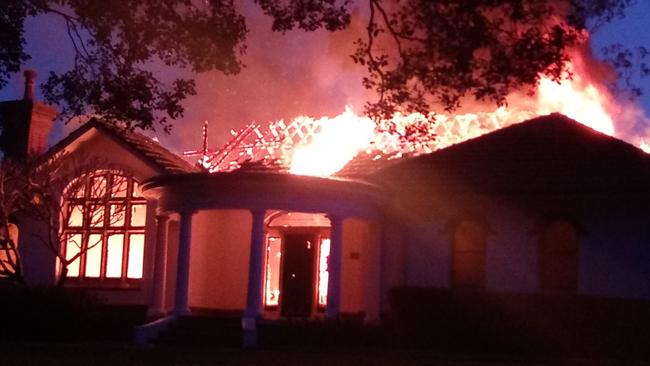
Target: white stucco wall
219, 259
220, 254
615, 255
360, 272
511, 251
614, 249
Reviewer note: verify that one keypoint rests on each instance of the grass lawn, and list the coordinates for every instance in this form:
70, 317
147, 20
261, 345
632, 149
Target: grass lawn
72, 354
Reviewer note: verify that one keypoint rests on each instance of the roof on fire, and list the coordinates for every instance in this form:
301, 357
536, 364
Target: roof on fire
547, 154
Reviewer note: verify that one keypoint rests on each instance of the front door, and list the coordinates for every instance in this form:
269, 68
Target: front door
297, 275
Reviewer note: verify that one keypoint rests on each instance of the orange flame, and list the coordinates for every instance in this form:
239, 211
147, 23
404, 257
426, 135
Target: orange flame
343, 137
584, 104
322, 147
339, 140
644, 146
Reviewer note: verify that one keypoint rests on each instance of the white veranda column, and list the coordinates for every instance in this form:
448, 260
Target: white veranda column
160, 267
334, 268
255, 280
373, 275
181, 304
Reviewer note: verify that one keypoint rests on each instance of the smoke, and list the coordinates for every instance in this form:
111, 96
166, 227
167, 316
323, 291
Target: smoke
631, 123
298, 73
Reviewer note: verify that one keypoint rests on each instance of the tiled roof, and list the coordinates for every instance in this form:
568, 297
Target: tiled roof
549, 154
366, 164
150, 150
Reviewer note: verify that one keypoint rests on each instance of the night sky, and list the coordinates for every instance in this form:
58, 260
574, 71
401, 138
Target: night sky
285, 76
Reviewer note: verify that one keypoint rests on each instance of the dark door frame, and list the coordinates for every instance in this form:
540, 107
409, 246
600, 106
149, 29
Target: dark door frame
317, 233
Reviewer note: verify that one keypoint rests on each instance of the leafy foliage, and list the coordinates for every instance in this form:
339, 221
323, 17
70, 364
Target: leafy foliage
308, 15
12, 39
630, 65
38, 188
116, 41
13, 198
418, 53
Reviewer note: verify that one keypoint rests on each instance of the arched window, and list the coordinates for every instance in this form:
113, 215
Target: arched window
103, 227
468, 255
559, 257
8, 247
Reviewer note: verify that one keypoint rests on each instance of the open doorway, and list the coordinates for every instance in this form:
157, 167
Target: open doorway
297, 247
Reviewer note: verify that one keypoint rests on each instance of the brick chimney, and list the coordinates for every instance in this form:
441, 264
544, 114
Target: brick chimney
25, 124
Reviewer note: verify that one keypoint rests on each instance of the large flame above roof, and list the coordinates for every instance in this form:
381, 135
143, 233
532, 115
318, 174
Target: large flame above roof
578, 100
323, 146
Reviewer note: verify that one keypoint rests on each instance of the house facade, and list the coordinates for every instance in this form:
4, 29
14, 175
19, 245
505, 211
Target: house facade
544, 206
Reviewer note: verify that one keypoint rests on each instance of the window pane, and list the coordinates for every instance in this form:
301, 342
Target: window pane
94, 256
136, 256
105, 222
323, 274
272, 284
117, 217
114, 253
119, 186
76, 188
7, 255
138, 215
98, 186
76, 216
72, 248
136, 189
96, 216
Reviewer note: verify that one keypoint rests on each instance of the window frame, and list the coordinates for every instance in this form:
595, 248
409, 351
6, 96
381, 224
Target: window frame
455, 253
132, 197
544, 254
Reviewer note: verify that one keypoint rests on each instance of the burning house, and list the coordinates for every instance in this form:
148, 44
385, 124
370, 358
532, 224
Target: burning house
262, 230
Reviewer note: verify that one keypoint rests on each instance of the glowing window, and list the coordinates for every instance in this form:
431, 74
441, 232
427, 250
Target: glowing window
117, 215
138, 215
104, 229
8, 248
119, 186
72, 249
136, 256
94, 256
323, 273
114, 253
272, 277
76, 216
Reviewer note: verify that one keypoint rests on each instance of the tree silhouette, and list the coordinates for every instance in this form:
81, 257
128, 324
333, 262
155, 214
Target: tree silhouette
418, 53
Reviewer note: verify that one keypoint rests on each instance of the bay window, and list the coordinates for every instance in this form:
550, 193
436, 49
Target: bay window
104, 227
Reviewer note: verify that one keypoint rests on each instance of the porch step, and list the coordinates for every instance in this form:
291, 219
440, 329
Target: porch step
203, 331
